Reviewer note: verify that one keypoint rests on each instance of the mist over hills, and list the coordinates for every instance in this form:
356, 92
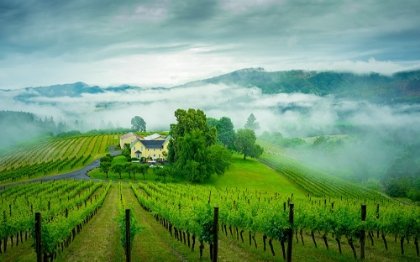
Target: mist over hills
402, 87
399, 87
379, 113
296, 103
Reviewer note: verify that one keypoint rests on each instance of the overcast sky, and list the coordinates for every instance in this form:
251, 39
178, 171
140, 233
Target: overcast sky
166, 43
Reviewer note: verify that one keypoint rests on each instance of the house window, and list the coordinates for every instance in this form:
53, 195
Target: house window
134, 148
148, 149
142, 148
154, 155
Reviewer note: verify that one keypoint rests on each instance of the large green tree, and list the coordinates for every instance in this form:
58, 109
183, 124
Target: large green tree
138, 124
251, 123
225, 132
193, 147
245, 143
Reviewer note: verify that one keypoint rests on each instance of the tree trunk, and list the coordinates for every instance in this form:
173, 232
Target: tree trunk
264, 239
313, 238
339, 244
384, 239
255, 242
270, 242
370, 233
416, 243
193, 243
301, 237
201, 249
325, 240
402, 245
350, 241
283, 249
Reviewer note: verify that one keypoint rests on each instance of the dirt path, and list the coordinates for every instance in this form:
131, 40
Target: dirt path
99, 239
148, 244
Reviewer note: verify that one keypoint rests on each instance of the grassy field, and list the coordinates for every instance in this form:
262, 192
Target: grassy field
242, 174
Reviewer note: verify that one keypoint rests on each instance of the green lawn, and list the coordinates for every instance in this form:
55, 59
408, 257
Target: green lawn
249, 173
253, 175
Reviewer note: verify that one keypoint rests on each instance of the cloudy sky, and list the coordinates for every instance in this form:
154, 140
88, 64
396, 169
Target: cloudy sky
166, 43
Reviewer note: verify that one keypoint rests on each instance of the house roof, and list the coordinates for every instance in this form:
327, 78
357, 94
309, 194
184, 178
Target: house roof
167, 139
152, 143
135, 141
151, 137
130, 135
126, 136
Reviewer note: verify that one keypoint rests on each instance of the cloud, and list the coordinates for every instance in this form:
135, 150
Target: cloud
44, 42
294, 115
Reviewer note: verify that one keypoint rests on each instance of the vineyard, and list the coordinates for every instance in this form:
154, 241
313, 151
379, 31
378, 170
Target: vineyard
57, 156
315, 182
332, 220
254, 225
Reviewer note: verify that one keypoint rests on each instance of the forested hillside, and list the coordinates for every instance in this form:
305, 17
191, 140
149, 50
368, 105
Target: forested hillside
400, 87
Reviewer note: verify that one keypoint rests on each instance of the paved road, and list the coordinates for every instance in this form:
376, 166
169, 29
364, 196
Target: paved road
77, 174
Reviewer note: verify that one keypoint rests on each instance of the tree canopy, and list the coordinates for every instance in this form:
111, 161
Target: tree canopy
193, 148
245, 143
138, 124
225, 131
251, 123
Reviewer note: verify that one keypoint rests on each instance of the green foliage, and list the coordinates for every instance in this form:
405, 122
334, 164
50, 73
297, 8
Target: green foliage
107, 158
191, 147
402, 179
278, 139
374, 184
135, 228
245, 143
105, 167
160, 172
225, 131
143, 169
68, 134
129, 168
138, 124
117, 168
251, 123
212, 122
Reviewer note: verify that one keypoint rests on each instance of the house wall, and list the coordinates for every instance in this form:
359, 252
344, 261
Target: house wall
128, 140
146, 152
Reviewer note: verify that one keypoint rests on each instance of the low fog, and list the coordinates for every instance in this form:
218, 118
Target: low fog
293, 115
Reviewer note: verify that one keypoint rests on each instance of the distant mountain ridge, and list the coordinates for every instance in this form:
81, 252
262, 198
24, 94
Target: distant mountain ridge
397, 88
400, 87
